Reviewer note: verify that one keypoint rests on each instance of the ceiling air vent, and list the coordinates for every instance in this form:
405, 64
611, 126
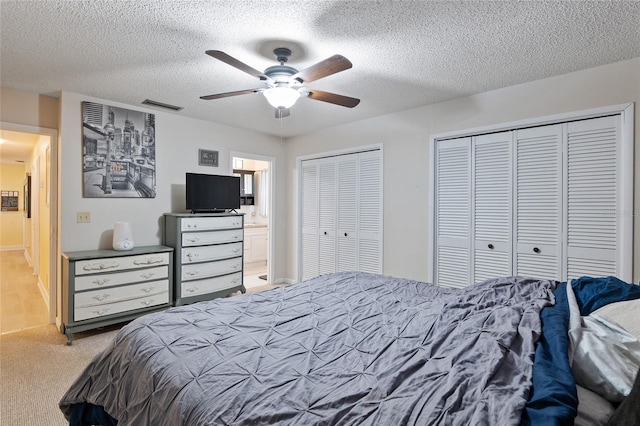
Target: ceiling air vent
161, 105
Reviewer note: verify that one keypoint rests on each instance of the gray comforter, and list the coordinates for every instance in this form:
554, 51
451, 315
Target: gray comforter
340, 349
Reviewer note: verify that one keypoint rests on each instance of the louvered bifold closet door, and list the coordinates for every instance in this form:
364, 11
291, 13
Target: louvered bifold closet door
591, 196
309, 219
327, 215
538, 206
453, 212
346, 235
370, 212
492, 213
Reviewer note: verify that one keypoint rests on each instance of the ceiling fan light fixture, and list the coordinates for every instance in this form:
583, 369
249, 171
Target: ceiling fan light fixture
281, 96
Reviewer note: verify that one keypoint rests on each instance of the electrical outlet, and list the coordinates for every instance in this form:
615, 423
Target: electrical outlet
83, 217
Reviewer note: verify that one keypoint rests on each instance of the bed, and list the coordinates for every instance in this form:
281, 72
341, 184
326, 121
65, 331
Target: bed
353, 349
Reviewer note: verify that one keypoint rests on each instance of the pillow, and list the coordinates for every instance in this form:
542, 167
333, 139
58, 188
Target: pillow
593, 410
626, 314
606, 359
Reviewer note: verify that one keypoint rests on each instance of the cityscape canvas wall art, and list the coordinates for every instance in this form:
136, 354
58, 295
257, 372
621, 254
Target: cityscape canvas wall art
118, 152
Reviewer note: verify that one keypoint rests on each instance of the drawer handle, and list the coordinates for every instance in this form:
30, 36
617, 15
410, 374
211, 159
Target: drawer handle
191, 289
235, 266
147, 275
101, 281
190, 255
193, 240
192, 273
101, 311
101, 298
192, 226
235, 237
147, 289
236, 251
235, 281
147, 302
148, 261
100, 266
536, 250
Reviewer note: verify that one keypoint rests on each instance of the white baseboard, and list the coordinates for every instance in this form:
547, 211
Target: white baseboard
11, 248
44, 293
26, 256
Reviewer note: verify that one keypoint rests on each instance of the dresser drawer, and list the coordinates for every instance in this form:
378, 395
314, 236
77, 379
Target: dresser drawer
207, 253
191, 239
90, 282
210, 223
96, 311
119, 294
210, 285
84, 267
211, 269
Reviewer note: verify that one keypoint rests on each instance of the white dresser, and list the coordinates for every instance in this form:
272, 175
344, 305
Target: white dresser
209, 252
106, 287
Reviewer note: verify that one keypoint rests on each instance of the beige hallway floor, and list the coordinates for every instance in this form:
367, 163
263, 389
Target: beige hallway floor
21, 303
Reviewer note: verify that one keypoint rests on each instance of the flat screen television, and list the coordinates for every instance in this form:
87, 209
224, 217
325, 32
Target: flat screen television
212, 193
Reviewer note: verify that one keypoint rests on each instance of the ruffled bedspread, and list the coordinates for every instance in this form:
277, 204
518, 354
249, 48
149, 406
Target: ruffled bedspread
340, 349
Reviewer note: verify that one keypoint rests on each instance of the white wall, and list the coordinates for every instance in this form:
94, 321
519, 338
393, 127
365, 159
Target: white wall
405, 139
177, 142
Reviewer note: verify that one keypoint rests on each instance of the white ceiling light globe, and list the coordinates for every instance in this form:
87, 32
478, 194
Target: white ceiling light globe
281, 97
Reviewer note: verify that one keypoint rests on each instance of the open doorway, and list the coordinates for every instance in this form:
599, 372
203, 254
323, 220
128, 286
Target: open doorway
256, 172
35, 148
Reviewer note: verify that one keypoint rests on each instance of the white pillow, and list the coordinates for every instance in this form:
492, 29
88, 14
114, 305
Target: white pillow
626, 314
593, 410
606, 358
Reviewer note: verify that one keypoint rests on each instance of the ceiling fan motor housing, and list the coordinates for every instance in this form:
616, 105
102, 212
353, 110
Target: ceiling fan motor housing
280, 73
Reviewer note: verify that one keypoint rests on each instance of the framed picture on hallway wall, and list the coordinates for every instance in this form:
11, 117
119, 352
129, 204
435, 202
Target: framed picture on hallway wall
9, 201
26, 200
118, 152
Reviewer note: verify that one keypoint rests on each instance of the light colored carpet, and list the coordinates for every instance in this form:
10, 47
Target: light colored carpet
37, 367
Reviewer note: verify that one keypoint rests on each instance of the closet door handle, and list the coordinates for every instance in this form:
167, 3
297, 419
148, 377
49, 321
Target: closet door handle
490, 246
325, 232
536, 250
345, 234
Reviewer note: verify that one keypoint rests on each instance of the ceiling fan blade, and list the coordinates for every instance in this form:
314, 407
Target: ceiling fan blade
228, 94
282, 112
322, 69
221, 56
332, 98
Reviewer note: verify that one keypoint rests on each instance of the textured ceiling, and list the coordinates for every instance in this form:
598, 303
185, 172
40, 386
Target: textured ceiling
405, 54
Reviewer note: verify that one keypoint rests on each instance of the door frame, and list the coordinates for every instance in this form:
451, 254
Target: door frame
55, 281
271, 257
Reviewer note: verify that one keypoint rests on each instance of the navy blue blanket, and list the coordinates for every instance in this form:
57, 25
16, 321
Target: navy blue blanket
554, 400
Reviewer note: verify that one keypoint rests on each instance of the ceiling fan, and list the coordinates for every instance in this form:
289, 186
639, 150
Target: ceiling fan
285, 84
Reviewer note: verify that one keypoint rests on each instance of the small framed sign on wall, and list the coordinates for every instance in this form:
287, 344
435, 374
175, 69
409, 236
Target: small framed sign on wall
9, 201
207, 158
